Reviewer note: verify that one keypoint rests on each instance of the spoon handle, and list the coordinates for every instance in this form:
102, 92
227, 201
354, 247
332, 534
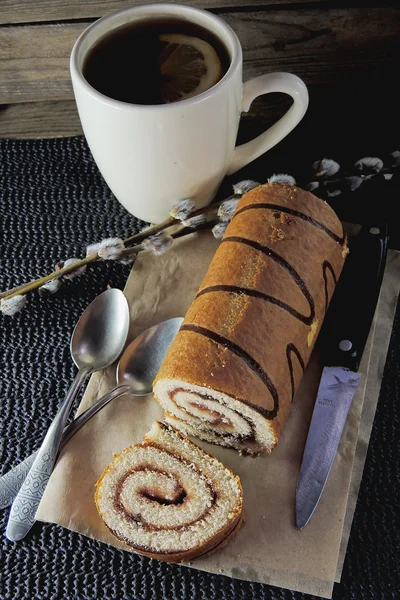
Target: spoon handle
24, 507
92, 410
11, 482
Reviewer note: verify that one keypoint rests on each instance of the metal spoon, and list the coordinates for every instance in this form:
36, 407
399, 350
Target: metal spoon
97, 341
136, 372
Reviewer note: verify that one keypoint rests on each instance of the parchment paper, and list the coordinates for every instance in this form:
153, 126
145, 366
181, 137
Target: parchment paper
268, 548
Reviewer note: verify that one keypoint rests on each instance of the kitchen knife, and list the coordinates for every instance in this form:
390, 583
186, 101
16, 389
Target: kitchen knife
343, 337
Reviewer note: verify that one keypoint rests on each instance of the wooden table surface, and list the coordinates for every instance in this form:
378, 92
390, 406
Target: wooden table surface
348, 57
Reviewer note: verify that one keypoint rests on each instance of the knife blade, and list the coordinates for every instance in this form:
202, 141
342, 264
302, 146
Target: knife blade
343, 338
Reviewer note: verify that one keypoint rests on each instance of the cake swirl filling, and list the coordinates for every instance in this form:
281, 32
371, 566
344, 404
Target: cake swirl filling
211, 415
160, 500
215, 417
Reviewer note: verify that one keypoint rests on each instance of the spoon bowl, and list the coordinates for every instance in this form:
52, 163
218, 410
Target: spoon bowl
143, 358
101, 332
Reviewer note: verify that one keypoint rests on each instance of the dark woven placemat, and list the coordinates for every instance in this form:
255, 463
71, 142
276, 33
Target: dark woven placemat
53, 202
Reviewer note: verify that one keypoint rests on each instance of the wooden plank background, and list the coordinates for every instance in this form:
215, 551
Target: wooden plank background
29, 11
329, 47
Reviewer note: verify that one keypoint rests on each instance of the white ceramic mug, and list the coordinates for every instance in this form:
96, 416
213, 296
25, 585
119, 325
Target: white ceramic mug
153, 156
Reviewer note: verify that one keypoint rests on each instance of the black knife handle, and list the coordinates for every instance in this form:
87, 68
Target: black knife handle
351, 311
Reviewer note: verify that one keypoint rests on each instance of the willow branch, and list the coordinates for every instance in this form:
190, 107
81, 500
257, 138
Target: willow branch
129, 242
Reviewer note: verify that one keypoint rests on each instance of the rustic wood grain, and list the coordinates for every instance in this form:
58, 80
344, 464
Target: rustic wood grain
330, 46
36, 120
29, 11
34, 62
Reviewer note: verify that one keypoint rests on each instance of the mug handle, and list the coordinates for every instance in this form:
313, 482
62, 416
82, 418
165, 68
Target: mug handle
286, 83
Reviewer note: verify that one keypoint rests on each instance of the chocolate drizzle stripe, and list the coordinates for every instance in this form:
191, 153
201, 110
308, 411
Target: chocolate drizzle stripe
245, 357
284, 264
234, 289
291, 348
326, 266
294, 213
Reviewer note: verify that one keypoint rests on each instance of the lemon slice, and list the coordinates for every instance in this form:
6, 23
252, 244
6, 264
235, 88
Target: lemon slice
188, 66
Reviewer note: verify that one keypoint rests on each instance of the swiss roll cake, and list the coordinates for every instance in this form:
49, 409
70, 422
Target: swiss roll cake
168, 499
231, 373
